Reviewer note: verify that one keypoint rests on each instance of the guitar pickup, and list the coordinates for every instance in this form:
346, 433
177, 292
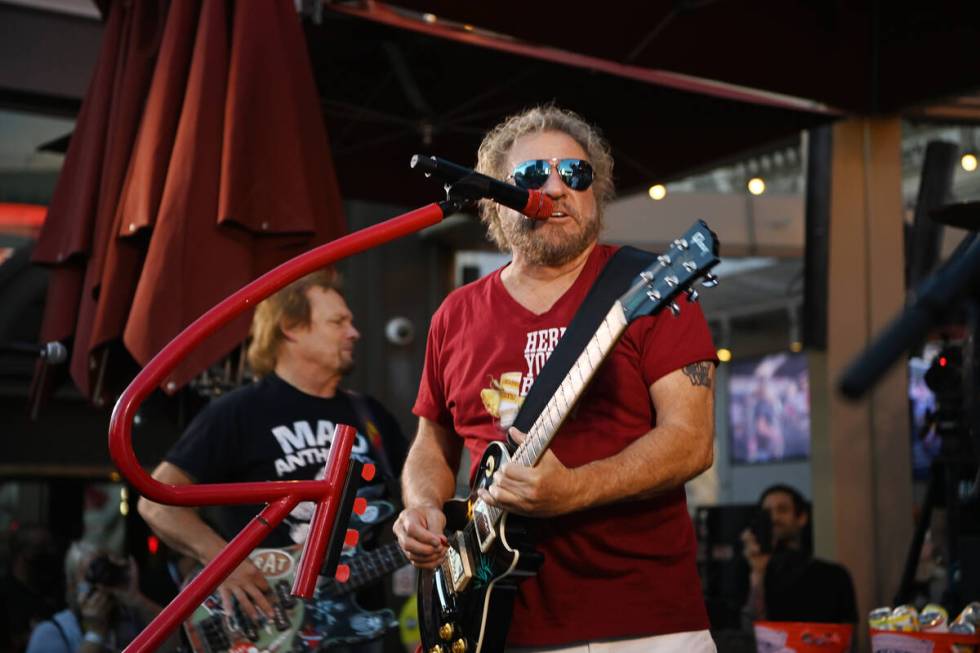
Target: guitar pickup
458, 566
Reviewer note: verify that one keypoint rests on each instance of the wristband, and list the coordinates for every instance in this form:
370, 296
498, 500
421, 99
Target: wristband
94, 638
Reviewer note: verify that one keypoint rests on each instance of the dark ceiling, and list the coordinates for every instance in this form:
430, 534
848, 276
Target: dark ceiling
389, 93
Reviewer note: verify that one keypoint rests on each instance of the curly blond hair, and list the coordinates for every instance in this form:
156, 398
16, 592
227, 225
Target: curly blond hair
496, 145
289, 306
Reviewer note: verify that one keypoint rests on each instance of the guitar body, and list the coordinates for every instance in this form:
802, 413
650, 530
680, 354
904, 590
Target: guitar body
332, 618
479, 613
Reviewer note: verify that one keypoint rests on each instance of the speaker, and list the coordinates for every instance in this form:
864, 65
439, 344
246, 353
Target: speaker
924, 238
724, 572
817, 234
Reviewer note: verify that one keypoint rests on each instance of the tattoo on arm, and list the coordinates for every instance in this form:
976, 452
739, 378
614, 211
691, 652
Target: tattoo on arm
698, 373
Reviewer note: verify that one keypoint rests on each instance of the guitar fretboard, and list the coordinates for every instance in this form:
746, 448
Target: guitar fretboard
560, 405
368, 566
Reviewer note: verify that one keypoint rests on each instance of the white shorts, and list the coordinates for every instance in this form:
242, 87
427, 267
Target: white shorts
697, 641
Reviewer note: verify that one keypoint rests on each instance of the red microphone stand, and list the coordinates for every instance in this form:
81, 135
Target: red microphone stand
280, 496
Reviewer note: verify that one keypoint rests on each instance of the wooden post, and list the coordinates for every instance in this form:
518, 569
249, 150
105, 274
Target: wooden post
862, 479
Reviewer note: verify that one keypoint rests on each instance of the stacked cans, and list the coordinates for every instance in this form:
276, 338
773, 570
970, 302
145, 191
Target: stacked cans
932, 619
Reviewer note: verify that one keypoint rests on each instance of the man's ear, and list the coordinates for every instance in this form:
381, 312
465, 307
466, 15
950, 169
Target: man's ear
287, 330
803, 518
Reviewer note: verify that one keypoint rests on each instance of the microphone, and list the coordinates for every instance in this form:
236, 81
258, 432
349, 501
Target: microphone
532, 203
52, 353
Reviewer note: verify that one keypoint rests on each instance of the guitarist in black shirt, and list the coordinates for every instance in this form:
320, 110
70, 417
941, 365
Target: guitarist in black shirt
278, 428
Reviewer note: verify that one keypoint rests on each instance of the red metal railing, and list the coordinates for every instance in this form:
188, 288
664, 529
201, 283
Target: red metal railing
281, 496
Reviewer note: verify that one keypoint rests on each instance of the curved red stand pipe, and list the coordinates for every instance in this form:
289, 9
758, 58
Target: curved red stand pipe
281, 496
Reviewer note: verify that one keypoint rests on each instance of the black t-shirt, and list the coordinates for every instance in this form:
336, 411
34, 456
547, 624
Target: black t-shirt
801, 588
271, 431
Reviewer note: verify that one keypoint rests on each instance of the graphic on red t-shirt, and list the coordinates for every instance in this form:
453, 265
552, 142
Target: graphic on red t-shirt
505, 394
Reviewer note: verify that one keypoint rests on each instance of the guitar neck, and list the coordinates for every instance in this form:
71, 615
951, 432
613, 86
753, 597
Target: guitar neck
368, 566
560, 405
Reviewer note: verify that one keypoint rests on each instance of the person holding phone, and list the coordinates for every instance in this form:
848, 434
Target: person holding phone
786, 583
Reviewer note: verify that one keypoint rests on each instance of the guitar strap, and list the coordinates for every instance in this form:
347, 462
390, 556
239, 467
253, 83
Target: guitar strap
613, 281
370, 427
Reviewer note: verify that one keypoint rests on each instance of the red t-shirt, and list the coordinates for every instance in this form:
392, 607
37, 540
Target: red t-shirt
621, 570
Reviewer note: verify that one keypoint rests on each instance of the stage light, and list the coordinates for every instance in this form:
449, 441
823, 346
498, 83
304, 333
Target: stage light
756, 185
468, 28
429, 18
968, 161
796, 346
658, 192
724, 355
152, 544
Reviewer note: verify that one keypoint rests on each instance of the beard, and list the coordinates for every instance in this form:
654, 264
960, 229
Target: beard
529, 237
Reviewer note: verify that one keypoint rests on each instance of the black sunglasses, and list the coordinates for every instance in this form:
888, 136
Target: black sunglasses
533, 174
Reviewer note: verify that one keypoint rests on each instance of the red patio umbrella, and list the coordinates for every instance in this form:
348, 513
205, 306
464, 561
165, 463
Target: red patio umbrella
199, 161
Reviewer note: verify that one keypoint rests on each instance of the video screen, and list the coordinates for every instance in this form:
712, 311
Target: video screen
769, 409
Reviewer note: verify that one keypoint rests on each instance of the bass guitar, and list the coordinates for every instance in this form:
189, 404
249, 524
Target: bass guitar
331, 618
465, 605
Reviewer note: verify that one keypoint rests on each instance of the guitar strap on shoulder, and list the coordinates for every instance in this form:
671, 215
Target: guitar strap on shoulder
612, 282
370, 427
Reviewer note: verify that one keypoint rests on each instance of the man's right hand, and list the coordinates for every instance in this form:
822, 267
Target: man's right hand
420, 534
248, 586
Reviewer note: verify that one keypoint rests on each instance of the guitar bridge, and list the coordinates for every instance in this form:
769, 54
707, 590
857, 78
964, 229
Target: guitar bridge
458, 566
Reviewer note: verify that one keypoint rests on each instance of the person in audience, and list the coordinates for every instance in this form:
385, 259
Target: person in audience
786, 583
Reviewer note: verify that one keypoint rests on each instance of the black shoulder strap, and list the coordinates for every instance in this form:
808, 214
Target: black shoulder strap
612, 282
370, 426
61, 631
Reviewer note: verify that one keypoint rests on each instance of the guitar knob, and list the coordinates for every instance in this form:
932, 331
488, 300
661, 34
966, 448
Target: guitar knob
446, 631
459, 646
693, 295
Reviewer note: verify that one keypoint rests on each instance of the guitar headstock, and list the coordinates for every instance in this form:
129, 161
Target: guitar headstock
689, 258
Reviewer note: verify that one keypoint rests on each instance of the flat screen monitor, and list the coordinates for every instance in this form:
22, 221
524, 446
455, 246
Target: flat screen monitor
769, 409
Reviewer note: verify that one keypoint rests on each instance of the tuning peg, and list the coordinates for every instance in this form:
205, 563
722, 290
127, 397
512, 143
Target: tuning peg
674, 308
368, 472
710, 281
663, 260
693, 295
351, 537
343, 573
681, 243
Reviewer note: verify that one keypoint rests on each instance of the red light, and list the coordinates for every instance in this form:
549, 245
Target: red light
942, 361
152, 544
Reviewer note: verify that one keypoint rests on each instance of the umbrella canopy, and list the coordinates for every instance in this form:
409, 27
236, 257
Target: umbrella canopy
390, 91
863, 56
660, 78
195, 166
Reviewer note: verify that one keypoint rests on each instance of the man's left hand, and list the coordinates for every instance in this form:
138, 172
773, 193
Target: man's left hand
547, 489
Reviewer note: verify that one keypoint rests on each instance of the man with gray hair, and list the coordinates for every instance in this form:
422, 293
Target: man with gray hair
618, 546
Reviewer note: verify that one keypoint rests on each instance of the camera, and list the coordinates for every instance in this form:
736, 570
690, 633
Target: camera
102, 570
761, 528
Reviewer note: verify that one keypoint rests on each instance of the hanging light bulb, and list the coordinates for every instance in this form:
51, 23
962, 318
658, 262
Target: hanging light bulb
968, 161
756, 185
658, 192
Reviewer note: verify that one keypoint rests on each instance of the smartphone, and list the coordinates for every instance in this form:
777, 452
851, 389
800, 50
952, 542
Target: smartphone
761, 527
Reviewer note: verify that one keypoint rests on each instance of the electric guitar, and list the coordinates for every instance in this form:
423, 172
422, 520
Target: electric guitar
331, 618
465, 605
